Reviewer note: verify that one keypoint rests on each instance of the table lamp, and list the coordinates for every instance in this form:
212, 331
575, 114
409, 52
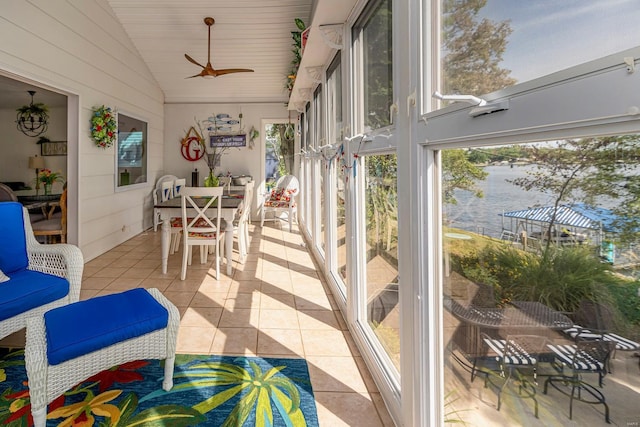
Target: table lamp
36, 163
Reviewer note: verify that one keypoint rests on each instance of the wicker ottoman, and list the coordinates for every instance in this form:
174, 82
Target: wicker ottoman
90, 336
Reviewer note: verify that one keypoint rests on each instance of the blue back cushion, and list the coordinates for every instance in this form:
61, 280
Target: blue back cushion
29, 289
86, 326
13, 245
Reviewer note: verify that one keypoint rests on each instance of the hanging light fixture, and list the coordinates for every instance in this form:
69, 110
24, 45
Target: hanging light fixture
32, 119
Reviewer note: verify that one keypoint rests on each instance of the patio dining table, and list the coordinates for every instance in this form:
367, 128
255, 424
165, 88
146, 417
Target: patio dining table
172, 208
518, 317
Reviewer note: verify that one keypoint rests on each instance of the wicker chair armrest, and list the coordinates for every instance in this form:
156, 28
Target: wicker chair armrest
62, 260
173, 324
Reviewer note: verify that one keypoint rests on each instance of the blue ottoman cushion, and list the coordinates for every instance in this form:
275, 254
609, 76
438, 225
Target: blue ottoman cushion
86, 326
28, 289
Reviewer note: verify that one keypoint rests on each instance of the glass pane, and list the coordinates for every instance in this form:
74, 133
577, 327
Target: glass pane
489, 44
132, 149
321, 212
334, 101
538, 238
381, 198
377, 88
341, 230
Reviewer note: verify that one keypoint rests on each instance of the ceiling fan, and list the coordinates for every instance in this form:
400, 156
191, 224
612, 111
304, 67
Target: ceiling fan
208, 71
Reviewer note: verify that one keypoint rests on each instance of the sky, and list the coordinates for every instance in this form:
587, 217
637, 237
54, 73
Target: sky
563, 33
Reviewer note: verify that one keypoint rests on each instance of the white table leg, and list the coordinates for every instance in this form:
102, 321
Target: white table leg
228, 243
166, 241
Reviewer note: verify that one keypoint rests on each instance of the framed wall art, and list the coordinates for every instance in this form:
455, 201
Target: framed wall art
53, 148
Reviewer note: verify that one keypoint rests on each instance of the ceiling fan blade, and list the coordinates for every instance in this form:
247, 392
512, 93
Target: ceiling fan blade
193, 61
233, 70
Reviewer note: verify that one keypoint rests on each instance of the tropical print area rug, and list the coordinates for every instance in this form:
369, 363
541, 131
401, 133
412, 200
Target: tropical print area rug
207, 391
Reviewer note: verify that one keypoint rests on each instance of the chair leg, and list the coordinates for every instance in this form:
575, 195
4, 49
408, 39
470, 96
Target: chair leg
218, 259
185, 254
262, 217
167, 382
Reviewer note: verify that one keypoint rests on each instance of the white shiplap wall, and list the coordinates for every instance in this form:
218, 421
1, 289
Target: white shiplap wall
78, 47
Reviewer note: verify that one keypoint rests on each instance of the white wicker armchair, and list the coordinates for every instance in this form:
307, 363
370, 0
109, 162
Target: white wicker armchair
61, 260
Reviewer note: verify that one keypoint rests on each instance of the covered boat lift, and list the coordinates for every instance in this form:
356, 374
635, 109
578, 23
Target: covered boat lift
573, 224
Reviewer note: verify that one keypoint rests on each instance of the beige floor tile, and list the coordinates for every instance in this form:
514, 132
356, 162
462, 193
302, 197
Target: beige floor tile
383, 413
277, 302
285, 342
335, 373
160, 284
308, 288
209, 299
123, 283
239, 318
346, 409
277, 287
89, 271
366, 375
188, 285
201, 316
110, 272
318, 319
246, 275
124, 262
315, 343
312, 302
278, 319
243, 301
85, 294
146, 263
195, 340
96, 283
179, 298
235, 341
244, 286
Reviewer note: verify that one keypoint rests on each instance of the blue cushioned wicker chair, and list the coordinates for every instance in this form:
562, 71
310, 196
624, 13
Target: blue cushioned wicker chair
34, 278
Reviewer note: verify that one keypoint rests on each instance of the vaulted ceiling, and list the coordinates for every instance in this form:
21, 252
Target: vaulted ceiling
254, 34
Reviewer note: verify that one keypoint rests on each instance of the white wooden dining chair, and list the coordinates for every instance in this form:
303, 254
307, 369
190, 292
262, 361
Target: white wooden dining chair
178, 185
157, 195
241, 223
203, 228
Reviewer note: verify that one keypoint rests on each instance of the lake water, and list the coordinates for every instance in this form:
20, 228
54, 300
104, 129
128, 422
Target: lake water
482, 215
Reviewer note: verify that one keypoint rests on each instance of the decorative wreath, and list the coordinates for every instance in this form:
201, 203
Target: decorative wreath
103, 126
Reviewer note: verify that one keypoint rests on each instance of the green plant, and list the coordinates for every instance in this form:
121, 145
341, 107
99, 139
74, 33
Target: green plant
37, 108
558, 278
297, 53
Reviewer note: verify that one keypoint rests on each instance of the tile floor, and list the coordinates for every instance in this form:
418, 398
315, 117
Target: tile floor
275, 304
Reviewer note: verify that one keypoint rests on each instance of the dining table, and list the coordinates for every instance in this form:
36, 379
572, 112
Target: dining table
172, 208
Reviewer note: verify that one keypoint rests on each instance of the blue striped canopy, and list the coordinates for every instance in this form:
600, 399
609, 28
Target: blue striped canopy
576, 215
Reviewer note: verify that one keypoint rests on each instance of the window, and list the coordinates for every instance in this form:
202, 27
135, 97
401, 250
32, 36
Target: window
132, 148
375, 37
504, 43
381, 223
538, 238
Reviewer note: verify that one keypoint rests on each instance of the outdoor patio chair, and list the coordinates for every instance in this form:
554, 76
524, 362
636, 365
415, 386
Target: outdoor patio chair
576, 360
515, 357
594, 321
34, 278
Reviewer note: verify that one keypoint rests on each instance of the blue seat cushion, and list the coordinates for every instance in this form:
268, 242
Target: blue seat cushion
13, 244
86, 326
28, 289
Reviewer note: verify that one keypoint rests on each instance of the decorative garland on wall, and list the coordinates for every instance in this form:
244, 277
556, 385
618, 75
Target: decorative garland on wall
103, 126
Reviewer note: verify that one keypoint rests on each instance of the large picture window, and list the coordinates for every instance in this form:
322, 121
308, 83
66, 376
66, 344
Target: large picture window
131, 168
